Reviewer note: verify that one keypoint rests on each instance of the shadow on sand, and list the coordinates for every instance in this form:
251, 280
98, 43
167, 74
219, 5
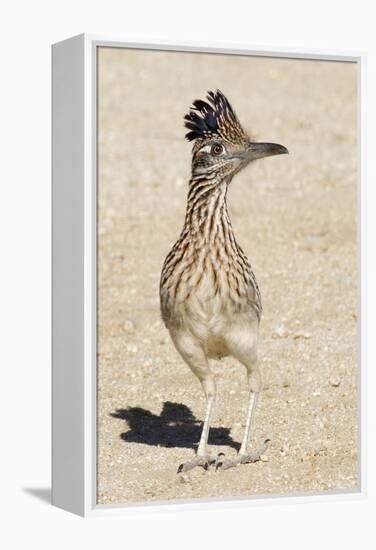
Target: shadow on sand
176, 426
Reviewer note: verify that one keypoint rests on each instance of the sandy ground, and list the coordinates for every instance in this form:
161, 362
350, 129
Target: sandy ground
294, 216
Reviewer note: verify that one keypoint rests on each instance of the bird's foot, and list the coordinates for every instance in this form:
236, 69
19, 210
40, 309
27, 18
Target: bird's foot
199, 460
243, 458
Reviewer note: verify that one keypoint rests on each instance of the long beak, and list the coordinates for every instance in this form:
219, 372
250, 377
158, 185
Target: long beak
261, 150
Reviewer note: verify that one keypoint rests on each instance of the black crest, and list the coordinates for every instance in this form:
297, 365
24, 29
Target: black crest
215, 116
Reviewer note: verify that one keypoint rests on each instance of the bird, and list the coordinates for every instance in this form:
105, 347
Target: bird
210, 300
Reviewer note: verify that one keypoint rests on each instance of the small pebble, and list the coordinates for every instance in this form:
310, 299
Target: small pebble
128, 325
132, 348
318, 450
264, 458
280, 332
284, 449
304, 335
334, 381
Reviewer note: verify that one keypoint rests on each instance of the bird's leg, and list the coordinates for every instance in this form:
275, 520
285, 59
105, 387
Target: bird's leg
246, 456
206, 426
202, 458
253, 397
196, 359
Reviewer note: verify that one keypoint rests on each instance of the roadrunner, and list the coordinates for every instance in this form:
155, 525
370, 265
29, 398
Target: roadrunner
210, 301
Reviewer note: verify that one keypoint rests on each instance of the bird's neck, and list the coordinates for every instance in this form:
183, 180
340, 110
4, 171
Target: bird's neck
207, 220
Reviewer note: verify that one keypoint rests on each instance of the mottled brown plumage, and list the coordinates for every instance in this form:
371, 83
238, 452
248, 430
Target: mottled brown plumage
210, 301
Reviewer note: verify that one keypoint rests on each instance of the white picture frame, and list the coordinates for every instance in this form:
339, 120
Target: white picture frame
74, 273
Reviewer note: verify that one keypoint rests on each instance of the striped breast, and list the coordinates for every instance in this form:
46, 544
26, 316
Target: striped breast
206, 268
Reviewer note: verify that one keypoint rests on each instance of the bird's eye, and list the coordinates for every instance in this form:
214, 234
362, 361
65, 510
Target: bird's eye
217, 149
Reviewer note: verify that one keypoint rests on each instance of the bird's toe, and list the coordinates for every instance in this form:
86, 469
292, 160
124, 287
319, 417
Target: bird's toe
204, 461
243, 458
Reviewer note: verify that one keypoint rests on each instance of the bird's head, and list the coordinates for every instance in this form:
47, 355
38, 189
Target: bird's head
221, 146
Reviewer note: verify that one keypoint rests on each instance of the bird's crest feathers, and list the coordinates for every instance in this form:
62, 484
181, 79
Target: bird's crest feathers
214, 117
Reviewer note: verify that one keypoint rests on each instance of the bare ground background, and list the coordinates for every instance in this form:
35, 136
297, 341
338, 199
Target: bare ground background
294, 216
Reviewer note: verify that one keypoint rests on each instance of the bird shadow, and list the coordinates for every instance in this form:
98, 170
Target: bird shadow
176, 426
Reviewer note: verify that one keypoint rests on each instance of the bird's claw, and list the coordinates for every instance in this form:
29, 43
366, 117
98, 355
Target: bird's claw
218, 460
199, 460
247, 458
219, 463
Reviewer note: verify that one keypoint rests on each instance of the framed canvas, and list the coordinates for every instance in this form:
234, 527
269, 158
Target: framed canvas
208, 301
